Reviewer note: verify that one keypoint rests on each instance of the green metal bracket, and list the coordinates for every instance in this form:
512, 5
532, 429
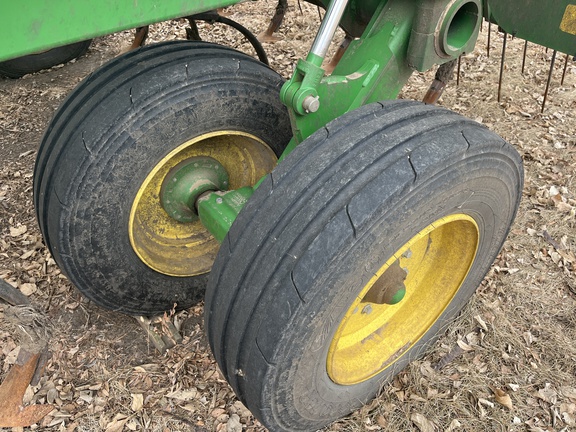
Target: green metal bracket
402, 35
373, 68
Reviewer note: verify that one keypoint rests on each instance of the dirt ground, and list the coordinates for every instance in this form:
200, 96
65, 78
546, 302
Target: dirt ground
507, 364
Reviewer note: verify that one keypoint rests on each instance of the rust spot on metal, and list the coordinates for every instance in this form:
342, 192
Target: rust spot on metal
396, 355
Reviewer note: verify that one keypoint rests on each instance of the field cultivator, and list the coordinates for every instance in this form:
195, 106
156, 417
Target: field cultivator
334, 230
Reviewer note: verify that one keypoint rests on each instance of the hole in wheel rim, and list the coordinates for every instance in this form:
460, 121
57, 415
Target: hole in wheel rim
188, 249
373, 336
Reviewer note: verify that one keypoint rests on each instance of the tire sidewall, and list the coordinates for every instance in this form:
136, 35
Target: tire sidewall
302, 358
31, 63
126, 135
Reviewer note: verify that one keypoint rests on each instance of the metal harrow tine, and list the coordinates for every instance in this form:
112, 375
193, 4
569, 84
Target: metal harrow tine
564, 70
502, 67
443, 76
524, 56
549, 79
488, 45
458, 71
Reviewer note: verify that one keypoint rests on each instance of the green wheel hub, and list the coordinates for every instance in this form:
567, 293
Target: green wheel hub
187, 181
165, 231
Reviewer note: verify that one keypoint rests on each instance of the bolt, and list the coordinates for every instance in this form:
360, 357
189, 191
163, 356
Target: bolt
367, 309
311, 104
407, 254
219, 200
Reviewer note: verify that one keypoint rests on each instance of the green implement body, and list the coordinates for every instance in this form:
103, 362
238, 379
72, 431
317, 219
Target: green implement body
36, 25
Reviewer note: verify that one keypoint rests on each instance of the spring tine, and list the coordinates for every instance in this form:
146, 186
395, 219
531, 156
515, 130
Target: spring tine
524, 56
268, 34
488, 46
443, 76
564, 71
549, 79
458, 71
502, 66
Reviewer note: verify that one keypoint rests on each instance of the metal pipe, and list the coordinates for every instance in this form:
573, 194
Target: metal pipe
328, 27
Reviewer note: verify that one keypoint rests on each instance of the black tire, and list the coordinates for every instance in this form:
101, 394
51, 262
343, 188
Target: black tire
322, 224
31, 63
112, 131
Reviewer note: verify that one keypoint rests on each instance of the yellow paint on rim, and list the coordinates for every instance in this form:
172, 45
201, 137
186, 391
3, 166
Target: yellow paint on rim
371, 337
188, 249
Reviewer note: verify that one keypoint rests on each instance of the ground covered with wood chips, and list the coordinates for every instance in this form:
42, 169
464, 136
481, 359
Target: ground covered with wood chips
508, 363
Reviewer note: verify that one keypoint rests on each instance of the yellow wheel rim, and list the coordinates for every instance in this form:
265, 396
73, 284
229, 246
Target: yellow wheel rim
431, 266
188, 249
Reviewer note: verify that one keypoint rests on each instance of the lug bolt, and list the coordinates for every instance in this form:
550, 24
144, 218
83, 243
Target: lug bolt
367, 309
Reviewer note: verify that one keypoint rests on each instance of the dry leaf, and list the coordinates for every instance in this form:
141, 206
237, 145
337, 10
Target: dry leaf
117, 424
422, 423
184, 395
502, 398
454, 425
18, 231
137, 401
481, 322
568, 392
548, 394
28, 254
27, 288
463, 345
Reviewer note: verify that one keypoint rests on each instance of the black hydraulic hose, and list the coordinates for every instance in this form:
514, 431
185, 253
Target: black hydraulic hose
212, 17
